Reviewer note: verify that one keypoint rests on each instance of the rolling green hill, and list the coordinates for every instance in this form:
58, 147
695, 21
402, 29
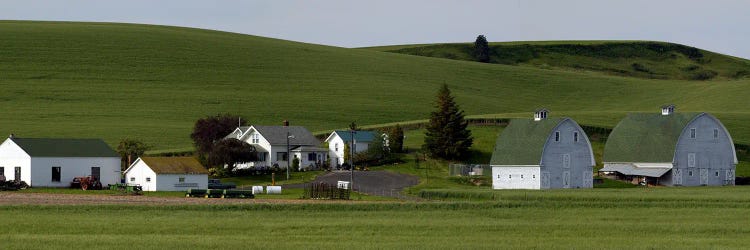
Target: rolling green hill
644, 59
108, 80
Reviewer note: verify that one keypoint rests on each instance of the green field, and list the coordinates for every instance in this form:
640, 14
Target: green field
674, 218
108, 80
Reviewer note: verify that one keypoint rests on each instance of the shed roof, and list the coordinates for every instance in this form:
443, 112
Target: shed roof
359, 136
646, 137
522, 142
174, 165
50, 147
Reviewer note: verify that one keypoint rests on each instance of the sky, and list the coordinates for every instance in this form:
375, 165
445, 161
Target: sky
716, 25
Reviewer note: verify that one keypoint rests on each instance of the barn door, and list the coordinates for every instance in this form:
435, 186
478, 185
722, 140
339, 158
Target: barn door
588, 179
704, 176
677, 177
545, 180
18, 174
566, 179
729, 177
96, 172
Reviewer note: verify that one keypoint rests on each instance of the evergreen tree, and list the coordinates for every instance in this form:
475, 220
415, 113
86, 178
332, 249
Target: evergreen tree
447, 136
482, 49
396, 139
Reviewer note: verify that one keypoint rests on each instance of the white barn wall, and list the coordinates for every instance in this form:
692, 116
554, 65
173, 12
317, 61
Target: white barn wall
140, 172
70, 167
510, 177
12, 156
166, 182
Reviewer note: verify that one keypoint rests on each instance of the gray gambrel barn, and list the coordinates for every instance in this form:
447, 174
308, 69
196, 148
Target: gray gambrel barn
542, 154
671, 149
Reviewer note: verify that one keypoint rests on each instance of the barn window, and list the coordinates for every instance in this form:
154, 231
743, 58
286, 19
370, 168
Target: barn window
498, 176
510, 176
575, 136
690, 173
181, 179
557, 135
533, 176
692, 133
148, 179
716, 133
132, 178
717, 173
521, 176
56, 174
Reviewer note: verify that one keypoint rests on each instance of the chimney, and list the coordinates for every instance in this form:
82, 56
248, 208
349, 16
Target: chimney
540, 114
667, 109
286, 123
11, 136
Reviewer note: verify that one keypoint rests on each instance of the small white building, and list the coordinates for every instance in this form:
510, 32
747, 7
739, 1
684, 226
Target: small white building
273, 142
339, 138
45, 162
167, 174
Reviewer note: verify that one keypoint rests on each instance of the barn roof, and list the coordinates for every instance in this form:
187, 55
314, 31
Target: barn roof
50, 147
646, 137
522, 142
174, 165
359, 136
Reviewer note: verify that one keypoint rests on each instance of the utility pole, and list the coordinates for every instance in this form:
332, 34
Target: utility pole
351, 157
288, 136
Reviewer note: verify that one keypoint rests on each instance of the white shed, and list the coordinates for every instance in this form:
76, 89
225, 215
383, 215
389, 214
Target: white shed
167, 174
45, 162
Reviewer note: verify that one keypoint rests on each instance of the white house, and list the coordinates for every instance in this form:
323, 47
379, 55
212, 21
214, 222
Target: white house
542, 153
339, 138
273, 143
167, 174
45, 162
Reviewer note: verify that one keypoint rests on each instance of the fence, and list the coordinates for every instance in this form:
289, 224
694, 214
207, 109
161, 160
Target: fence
455, 169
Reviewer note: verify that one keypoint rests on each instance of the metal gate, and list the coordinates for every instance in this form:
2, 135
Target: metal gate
545, 180
704, 176
677, 177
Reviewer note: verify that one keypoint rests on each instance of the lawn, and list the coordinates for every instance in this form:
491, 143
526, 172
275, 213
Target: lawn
147, 82
674, 218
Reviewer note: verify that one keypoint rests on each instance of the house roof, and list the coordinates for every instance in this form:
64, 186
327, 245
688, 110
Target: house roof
276, 135
522, 142
359, 136
309, 149
646, 137
49, 147
174, 165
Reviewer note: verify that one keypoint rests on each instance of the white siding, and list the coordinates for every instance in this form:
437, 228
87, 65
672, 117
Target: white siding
337, 156
70, 167
140, 171
515, 177
12, 156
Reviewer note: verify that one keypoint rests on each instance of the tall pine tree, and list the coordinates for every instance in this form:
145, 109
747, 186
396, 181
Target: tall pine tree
482, 49
447, 136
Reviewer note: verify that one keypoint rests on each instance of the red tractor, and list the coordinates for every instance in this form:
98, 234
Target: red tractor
86, 183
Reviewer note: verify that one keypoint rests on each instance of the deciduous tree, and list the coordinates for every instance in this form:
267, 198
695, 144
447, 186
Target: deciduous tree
211, 129
231, 151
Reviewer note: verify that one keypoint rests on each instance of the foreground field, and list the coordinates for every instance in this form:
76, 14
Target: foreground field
674, 218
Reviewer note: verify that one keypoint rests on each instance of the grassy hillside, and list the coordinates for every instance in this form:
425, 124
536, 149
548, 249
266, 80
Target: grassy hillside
152, 82
642, 59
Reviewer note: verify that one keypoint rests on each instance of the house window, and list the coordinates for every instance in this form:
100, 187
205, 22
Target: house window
533, 176
281, 156
55, 174
575, 136
498, 176
132, 179
311, 157
716, 133
255, 138
692, 133
148, 179
557, 135
336, 147
521, 176
181, 179
510, 176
